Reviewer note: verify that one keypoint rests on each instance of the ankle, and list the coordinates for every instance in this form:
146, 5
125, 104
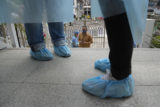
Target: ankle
108, 76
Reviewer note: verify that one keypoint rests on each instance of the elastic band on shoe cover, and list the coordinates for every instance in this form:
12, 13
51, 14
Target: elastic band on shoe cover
59, 42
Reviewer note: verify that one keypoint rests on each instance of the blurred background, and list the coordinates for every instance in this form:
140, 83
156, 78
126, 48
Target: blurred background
14, 36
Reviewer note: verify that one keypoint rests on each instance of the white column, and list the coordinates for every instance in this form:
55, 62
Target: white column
13, 35
147, 36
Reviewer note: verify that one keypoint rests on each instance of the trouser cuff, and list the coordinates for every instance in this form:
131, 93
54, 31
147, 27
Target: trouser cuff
38, 47
61, 42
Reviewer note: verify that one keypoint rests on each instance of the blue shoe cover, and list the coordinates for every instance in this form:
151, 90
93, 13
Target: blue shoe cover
102, 64
62, 51
109, 88
42, 55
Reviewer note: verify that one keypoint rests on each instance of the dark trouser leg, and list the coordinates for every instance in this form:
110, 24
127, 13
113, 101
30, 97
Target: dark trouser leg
121, 45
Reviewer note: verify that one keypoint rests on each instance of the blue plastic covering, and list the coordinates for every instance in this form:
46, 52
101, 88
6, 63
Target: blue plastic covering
62, 51
102, 64
75, 42
109, 88
136, 11
42, 55
29, 11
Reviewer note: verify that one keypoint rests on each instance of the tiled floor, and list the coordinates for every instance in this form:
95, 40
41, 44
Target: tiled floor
25, 82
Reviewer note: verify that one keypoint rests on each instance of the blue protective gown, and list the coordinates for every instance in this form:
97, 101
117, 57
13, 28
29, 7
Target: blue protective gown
136, 11
31, 11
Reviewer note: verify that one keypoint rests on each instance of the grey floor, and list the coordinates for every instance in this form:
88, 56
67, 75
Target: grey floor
25, 82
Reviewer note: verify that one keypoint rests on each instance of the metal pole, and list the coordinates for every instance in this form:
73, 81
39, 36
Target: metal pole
104, 41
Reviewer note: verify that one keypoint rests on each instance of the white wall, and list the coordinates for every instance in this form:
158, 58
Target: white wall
147, 36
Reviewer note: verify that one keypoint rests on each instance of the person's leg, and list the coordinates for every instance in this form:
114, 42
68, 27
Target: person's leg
116, 42
56, 30
118, 82
121, 45
35, 38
